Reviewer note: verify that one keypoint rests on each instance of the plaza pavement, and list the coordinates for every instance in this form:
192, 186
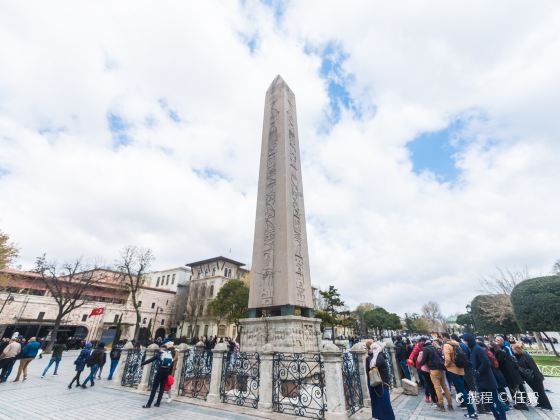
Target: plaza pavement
49, 398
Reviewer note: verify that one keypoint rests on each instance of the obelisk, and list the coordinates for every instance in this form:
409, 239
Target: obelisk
280, 298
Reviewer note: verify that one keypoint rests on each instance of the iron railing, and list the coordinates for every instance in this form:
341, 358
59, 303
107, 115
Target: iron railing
352, 384
195, 374
391, 368
153, 372
240, 379
298, 385
132, 373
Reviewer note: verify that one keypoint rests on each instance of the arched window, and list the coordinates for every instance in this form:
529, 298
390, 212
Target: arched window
211, 291
157, 283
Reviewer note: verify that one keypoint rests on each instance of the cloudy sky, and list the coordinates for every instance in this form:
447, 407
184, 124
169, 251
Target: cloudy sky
429, 134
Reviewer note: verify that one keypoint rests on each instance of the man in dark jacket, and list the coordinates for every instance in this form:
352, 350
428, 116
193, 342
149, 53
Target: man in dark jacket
402, 355
509, 369
94, 361
114, 355
164, 359
486, 382
56, 357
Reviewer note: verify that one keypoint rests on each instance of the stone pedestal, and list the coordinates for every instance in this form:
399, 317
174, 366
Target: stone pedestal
150, 351
360, 350
117, 377
285, 334
334, 383
396, 367
178, 368
265, 378
216, 377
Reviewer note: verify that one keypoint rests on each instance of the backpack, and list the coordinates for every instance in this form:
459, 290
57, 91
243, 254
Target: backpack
459, 357
493, 359
166, 359
91, 360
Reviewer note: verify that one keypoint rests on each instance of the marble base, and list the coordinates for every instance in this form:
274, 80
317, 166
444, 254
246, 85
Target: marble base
286, 334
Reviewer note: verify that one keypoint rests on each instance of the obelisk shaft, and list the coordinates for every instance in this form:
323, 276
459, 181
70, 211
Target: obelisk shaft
280, 266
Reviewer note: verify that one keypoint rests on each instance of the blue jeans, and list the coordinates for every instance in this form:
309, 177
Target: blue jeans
459, 384
55, 360
114, 364
405, 369
497, 407
91, 375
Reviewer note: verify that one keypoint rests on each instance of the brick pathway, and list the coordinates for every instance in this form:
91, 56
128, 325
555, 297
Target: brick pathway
49, 398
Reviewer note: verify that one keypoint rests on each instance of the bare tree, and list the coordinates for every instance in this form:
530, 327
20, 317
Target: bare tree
432, 313
67, 285
556, 268
500, 285
133, 265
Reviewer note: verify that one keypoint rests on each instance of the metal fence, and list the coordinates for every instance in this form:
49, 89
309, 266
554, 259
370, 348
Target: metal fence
352, 383
195, 374
132, 373
391, 368
239, 384
298, 385
153, 372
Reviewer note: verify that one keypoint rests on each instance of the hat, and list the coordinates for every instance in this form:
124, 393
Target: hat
169, 344
166, 340
479, 338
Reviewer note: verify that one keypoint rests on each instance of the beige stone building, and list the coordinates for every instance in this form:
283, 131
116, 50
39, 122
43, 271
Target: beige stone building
207, 278
27, 307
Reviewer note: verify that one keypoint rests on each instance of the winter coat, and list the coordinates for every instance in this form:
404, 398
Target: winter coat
414, 355
97, 356
508, 366
482, 368
528, 368
400, 350
432, 358
80, 361
30, 350
57, 351
115, 353
449, 356
381, 365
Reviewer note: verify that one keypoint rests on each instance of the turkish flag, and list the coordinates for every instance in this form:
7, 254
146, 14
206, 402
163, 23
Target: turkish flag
97, 311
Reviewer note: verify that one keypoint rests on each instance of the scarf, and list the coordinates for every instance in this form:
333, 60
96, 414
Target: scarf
374, 350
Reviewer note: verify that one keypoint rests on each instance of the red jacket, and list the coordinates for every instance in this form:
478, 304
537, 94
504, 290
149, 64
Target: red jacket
414, 355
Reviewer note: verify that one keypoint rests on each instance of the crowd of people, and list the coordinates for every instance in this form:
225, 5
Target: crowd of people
489, 376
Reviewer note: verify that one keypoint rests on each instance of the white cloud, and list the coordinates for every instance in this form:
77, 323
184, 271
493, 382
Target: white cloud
377, 231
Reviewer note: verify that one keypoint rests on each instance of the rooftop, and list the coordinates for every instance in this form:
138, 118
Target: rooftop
215, 259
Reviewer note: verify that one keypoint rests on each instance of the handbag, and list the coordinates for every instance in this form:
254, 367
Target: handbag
374, 377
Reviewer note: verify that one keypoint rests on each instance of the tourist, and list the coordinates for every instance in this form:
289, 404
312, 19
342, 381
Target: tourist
103, 361
432, 358
402, 355
8, 358
56, 357
423, 371
93, 362
115, 356
510, 370
379, 394
455, 361
80, 363
484, 377
532, 375
27, 355
166, 356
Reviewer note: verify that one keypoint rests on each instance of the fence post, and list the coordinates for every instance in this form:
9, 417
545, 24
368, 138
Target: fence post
117, 378
178, 368
396, 367
360, 350
150, 351
216, 375
334, 388
265, 378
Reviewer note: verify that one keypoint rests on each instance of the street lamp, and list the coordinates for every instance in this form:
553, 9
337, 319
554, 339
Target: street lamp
9, 298
469, 311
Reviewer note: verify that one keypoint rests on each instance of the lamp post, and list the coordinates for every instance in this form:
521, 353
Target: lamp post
9, 298
469, 311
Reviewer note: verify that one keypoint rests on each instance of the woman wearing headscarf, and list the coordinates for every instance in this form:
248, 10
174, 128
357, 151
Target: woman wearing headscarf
80, 363
532, 375
379, 394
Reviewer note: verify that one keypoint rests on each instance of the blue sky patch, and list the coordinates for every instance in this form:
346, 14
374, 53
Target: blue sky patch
171, 112
436, 151
119, 128
278, 7
3, 172
209, 174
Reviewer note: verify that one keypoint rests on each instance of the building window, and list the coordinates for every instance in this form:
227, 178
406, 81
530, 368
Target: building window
173, 279
41, 315
206, 273
206, 330
116, 319
167, 302
200, 310
211, 291
163, 322
167, 281
189, 331
214, 271
153, 305
139, 303
157, 283
84, 317
227, 272
144, 321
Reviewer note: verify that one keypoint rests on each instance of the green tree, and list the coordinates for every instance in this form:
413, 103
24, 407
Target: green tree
483, 314
379, 319
536, 305
231, 302
359, 313
333, 303
466, 321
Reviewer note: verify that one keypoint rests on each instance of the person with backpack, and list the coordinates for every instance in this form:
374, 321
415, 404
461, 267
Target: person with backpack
165, 358
532, 375
27, 355
80, 363
434, 360
103, 361
115, 356
510, 370
455, 361
93, 362
402, 355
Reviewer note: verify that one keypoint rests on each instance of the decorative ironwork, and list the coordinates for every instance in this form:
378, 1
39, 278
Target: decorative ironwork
352, 383
132, 373
240, 379
153, 372
391, 368
195, 374
298, 385
549, 370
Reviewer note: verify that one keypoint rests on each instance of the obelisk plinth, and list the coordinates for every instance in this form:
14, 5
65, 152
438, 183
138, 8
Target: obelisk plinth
280, 298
